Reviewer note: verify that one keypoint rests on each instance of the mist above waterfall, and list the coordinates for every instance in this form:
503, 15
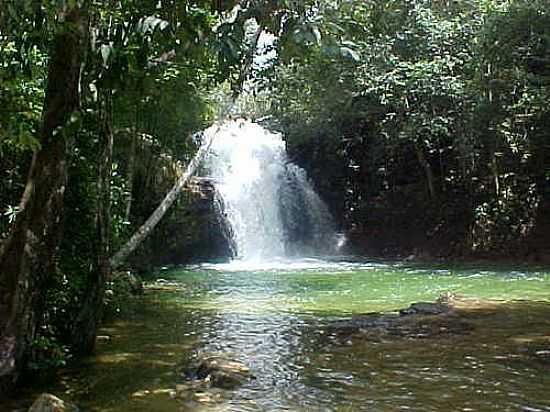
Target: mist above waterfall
268, 201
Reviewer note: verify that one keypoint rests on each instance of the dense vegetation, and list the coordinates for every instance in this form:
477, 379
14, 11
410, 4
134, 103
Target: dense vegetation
435, 123
424, 118
100, 102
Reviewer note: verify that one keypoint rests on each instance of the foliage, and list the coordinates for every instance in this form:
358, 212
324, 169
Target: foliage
120, 293
449, 97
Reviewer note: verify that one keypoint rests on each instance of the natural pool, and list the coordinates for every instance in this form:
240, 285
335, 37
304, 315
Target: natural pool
272, 316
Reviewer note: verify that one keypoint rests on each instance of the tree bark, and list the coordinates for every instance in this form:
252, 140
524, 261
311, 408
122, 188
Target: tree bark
130, 173
496, 175
88, 320
427, 171
141, 234
27, 258
247, 62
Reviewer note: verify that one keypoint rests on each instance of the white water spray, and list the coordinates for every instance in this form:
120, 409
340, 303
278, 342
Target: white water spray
269, 203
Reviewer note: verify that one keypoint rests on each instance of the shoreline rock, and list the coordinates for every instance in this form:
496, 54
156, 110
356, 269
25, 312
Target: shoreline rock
50, 403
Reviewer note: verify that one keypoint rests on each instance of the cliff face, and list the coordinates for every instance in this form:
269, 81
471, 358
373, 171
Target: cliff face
193, 231
391, 206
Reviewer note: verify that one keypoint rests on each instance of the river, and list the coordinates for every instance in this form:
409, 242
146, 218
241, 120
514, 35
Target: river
273, 318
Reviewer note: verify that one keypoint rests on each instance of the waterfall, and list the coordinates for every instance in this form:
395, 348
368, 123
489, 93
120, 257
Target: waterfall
268, 202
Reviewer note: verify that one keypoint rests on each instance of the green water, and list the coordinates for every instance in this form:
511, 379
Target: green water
274, 319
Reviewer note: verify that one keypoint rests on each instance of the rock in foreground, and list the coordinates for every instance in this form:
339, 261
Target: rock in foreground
219, 372
49, 403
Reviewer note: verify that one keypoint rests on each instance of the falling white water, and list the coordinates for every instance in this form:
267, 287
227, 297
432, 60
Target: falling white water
269, 203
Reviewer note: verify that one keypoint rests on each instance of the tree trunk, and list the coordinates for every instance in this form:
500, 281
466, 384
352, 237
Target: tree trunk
141, 234
130, 174
88, 320
427, 170
247, 63
496, 175
27, 258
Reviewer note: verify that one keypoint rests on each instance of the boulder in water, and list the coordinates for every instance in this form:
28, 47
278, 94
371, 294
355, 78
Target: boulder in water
219, 372
49, 403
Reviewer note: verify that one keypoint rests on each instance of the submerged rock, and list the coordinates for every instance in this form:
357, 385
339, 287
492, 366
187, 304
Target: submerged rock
367, 321
218, 372
210, 379
419, 320
49, 403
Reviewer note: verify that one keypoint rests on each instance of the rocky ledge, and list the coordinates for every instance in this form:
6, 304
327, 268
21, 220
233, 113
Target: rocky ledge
419, 320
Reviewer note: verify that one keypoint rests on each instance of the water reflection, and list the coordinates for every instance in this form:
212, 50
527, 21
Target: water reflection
273, 317
255, 326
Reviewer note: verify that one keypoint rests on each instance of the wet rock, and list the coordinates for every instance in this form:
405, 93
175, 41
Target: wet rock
49, 403
223, 373
420, 320
425, 308
103, 338
225, 380
389, 320
218, 372
438, 327
542, 357
210, 379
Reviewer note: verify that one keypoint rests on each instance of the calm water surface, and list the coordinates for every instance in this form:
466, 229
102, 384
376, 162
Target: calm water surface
273, 318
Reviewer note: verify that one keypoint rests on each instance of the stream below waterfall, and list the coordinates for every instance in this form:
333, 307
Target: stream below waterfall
272, 317
277, 313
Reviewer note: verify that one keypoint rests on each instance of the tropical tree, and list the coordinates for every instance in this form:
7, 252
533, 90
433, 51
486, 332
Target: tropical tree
27, 256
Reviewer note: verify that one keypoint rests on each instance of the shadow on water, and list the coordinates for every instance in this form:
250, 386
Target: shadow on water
276, 321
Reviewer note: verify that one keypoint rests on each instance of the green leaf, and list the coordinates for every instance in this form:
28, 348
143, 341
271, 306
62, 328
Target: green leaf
350, 54
105, 51
317, 34
149, 24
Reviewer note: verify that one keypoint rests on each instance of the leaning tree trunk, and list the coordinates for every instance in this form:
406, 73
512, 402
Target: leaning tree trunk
139, 236
27, 258
87, 322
